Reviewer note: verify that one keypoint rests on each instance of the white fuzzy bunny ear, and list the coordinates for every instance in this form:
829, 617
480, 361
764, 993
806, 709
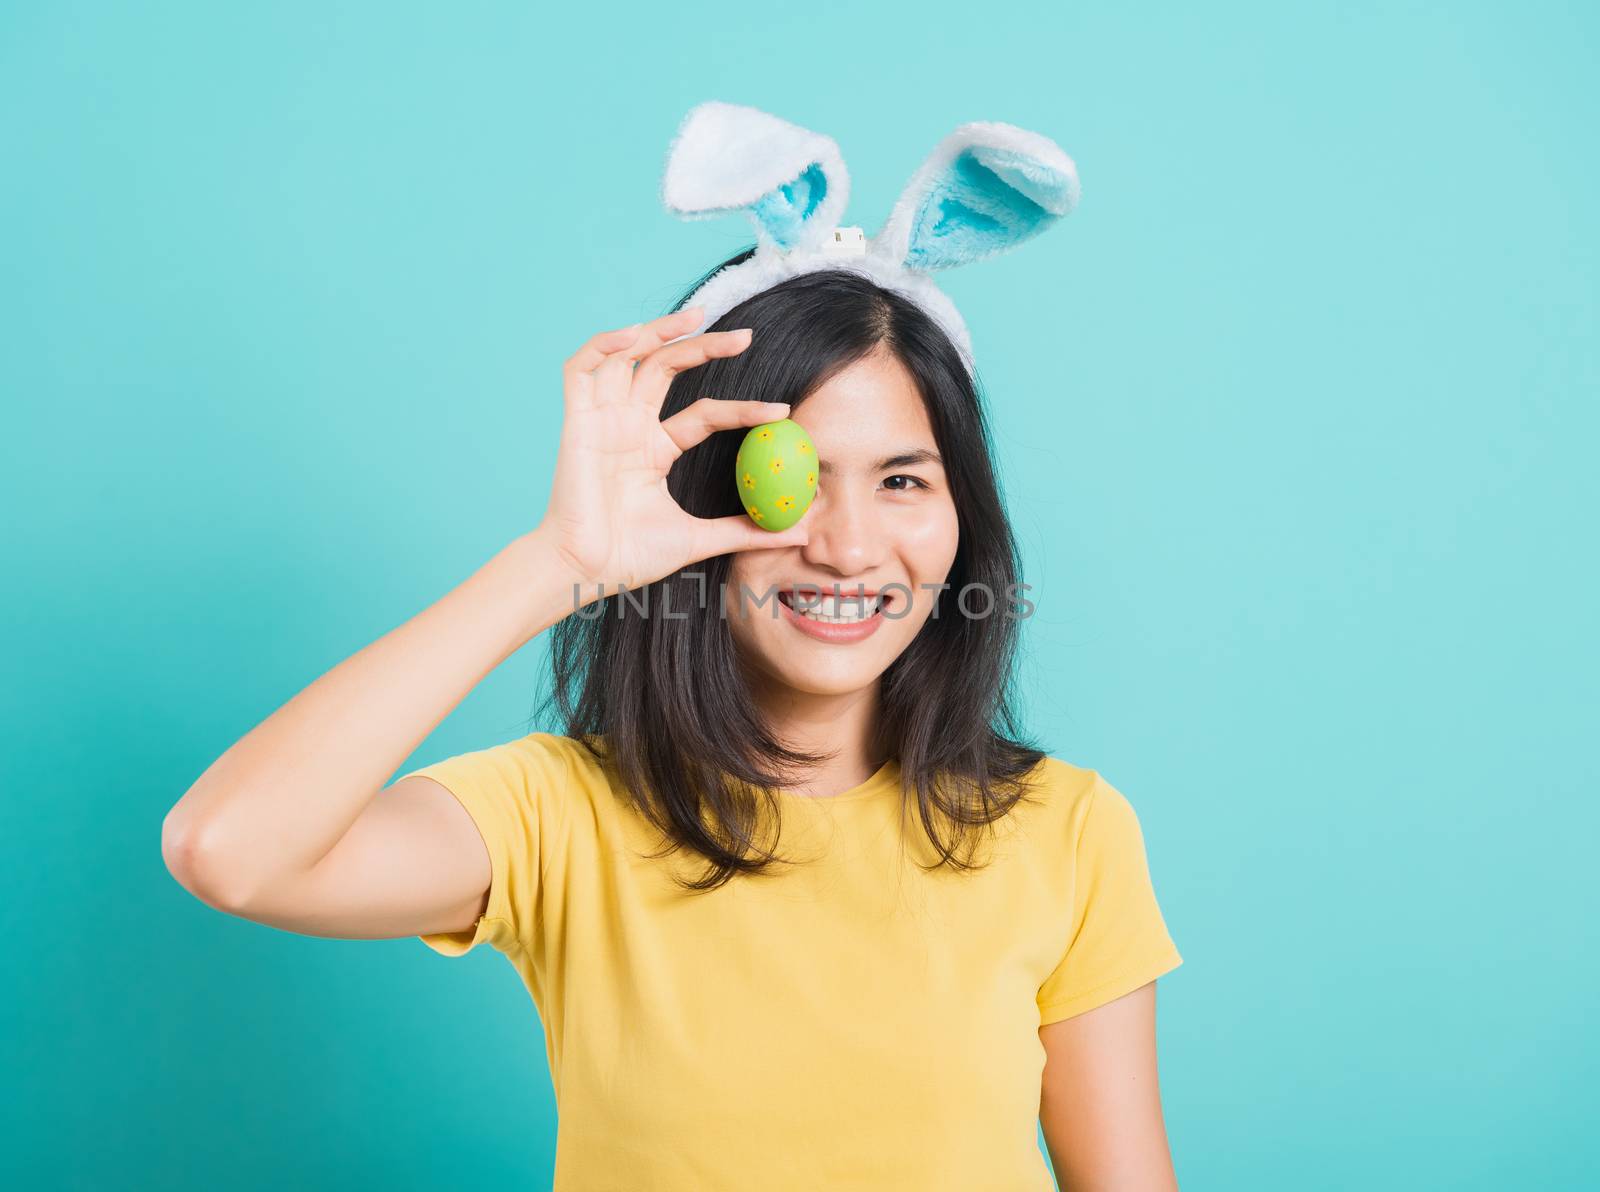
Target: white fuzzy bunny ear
984, 189
727, 157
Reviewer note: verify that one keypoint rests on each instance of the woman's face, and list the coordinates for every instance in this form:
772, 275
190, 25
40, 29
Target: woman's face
883, 515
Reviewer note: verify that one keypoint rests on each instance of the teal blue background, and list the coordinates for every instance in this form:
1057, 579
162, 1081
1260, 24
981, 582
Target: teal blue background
1296, 413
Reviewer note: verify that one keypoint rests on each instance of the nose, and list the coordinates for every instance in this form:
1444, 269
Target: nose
847, 536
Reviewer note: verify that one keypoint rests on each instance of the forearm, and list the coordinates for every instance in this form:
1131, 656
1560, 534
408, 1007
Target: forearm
283, 795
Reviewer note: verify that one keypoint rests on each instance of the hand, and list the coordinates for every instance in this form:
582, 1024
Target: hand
610, 517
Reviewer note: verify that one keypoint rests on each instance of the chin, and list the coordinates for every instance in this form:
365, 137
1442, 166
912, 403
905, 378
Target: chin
841, 681
815, 668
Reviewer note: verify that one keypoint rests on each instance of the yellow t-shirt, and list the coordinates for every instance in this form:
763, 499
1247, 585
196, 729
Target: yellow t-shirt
852, 1022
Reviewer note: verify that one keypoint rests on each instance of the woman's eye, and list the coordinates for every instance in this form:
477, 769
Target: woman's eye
901, 476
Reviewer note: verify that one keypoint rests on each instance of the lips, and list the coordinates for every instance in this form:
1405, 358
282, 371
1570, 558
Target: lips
811, 592
828, 607
825, 618
835, 600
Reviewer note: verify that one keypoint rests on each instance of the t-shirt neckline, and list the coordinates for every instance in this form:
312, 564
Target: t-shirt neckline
883, 779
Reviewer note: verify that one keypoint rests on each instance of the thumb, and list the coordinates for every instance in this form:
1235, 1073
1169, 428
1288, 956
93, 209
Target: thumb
724, 535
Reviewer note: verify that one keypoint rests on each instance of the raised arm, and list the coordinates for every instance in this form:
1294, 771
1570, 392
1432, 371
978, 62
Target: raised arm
287, 828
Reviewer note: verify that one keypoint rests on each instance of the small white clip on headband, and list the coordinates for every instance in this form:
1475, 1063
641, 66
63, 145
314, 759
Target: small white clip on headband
984, 189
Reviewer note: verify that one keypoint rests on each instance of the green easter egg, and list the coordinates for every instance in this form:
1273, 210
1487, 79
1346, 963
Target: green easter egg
776, 473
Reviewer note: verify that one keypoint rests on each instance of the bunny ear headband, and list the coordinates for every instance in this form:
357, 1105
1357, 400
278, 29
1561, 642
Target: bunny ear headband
984, 189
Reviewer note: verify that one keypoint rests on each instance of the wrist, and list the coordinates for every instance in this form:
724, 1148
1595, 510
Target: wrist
545, 567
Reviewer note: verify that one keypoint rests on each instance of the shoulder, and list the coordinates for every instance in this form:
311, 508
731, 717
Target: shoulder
1059, 789
578, 771
566, 763
1066, 799
540, 769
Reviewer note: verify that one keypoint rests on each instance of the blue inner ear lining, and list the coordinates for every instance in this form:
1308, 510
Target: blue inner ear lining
783, 212
953, 213
971, 211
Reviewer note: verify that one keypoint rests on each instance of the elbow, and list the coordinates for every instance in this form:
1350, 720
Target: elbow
193, 858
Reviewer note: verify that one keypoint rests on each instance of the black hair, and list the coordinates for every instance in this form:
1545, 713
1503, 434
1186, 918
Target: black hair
669, 697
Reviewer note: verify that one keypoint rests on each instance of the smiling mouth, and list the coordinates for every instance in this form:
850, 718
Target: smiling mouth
835, 608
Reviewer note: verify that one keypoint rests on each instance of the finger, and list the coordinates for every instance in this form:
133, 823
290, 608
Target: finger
655, 371
657, 331
614, 376
577, 373
700, 419
663, 330
589, 357
725, 535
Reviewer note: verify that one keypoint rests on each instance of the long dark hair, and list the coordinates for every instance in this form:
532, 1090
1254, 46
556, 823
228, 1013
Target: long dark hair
669, 696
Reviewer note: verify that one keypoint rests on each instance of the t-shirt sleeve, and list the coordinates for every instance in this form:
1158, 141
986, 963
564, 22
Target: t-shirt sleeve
1118, 939
513, 792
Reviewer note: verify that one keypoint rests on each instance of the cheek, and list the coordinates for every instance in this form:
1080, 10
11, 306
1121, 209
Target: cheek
928, 541
745, 586
741, 572
730, 595
738, 627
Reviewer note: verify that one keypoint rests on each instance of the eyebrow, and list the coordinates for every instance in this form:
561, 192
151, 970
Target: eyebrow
904, 459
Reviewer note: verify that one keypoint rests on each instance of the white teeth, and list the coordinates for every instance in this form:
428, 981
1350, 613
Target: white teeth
835, 610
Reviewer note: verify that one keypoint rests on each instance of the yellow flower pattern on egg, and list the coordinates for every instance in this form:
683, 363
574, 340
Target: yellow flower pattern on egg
774, 495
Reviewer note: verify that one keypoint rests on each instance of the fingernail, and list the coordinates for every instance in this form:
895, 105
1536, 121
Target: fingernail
747, 332
778, 407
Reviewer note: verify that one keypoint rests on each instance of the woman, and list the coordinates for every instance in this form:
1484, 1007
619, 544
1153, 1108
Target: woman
794, 906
